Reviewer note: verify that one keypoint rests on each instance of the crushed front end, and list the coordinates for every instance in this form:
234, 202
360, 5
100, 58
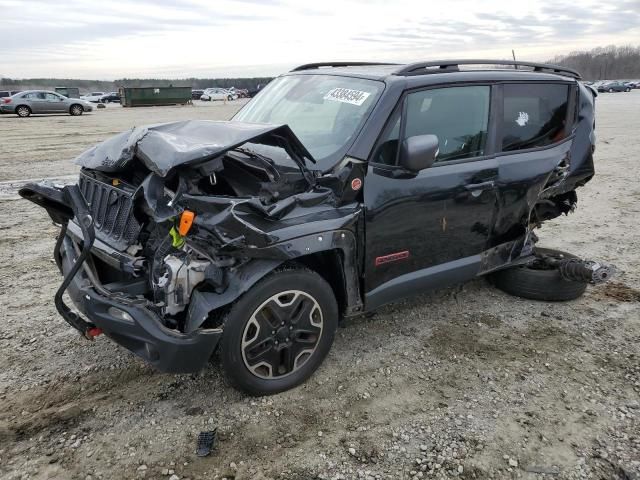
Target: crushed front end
169, 224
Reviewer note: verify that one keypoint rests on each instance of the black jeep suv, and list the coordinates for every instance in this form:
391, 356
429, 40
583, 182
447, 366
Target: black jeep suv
340, 188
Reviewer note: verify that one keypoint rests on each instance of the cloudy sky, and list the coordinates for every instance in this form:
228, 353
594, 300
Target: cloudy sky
202, 38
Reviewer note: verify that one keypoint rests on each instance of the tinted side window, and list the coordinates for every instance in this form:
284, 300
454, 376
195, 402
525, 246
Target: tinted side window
458, 116
534, 115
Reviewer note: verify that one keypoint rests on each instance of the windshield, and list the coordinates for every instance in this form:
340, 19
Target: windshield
324, 111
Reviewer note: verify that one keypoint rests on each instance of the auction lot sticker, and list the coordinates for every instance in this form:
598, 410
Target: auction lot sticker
346, 95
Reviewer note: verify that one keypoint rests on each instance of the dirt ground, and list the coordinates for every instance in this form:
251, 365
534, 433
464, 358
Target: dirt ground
461, 383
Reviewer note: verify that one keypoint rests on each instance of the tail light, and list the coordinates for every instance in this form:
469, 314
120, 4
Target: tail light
6, 100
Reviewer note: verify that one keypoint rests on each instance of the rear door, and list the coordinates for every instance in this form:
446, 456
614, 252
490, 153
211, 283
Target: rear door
428, 229
534, 149
37, 102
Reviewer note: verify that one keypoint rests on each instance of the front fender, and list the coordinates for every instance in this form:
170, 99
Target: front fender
241, 279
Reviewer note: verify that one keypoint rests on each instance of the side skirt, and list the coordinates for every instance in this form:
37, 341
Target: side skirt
420, 281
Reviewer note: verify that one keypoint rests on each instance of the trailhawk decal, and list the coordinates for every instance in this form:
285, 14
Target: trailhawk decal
392, 257
346, 95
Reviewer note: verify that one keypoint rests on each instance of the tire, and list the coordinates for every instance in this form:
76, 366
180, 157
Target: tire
229, 98
610, 90
533, 283
23, 111
627, 89
76, 110
260, 332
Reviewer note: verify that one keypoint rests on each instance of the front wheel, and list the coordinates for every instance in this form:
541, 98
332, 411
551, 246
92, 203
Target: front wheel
279, 332
76, 110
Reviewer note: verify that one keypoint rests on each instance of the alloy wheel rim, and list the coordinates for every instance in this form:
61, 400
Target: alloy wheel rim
22, 111
282, 334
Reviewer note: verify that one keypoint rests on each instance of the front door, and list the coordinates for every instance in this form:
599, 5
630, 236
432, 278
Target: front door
55, 103
428, 229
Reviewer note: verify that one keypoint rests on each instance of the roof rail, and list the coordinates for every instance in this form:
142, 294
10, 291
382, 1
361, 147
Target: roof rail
444, 66
311, 66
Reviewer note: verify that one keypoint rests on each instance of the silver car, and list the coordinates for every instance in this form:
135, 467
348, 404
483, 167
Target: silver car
25, 103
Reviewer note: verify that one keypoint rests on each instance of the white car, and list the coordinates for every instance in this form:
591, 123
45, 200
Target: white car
93, 97
211, 94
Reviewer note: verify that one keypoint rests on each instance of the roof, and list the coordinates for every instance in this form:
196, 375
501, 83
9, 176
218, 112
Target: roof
455, 70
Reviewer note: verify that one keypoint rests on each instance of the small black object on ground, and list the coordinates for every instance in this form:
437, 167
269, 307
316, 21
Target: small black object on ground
206, 441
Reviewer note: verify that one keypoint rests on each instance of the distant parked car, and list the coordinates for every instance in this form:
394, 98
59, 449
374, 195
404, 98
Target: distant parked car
42, 101
94, 97
632, 84
196, 94
211, 94
8, 93
110, 97
613, 87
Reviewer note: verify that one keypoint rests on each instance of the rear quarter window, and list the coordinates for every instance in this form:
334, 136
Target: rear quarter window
534, 115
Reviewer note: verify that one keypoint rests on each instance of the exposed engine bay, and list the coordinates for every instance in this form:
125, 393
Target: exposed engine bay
138, 206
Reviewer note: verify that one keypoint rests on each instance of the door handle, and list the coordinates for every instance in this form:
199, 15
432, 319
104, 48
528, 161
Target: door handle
480, 186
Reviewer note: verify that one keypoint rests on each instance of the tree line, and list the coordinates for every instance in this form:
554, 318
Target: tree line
109, 86
604, 63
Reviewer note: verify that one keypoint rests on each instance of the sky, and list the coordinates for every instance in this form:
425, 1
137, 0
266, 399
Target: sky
240, 38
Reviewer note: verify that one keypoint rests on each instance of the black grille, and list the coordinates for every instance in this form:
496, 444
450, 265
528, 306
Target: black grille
112, 211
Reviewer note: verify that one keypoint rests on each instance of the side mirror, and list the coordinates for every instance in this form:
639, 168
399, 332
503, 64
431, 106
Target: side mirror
419, 152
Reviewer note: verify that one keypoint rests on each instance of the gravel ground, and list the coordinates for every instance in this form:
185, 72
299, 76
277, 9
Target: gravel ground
465, 382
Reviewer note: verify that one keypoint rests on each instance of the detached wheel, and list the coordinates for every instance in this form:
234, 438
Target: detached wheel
23, 111
76, 110
538, 281
279, 332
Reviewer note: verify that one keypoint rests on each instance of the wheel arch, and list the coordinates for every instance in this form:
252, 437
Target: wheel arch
330, 254
75, 105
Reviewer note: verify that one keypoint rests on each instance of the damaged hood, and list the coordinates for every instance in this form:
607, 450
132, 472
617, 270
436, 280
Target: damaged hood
166, 146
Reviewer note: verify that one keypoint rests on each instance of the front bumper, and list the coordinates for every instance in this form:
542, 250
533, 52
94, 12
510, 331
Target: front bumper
125, 319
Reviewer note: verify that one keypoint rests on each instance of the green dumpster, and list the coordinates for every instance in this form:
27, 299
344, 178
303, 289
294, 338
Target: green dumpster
149, 96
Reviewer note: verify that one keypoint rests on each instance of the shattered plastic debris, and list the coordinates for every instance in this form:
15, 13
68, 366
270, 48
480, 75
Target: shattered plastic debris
206, 442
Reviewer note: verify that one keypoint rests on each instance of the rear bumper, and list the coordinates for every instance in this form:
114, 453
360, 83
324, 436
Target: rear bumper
123, 318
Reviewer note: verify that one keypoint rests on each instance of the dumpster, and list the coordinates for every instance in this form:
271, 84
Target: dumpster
149, 96
69, 92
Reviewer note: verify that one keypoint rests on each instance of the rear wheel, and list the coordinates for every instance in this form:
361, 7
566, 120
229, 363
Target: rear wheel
610, 90
279, 332
23, 111
538, 281
229, 98
627, 89
76, 110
